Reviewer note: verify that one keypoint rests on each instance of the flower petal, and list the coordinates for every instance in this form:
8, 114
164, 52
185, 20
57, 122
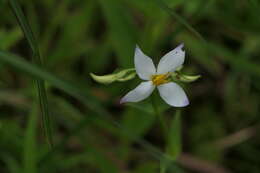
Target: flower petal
171, 60
141, 92
173, 94
143, 64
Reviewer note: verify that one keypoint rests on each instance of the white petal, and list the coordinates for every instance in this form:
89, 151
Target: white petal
144, 65
171, 60
173, 94
141, 92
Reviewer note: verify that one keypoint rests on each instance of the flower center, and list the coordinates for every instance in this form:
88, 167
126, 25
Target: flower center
159, 79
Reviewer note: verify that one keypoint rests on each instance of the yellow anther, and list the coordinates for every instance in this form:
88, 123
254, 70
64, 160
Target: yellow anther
160, 79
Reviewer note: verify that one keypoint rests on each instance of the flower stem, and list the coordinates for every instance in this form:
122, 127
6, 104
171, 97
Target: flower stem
163, 165
160, 117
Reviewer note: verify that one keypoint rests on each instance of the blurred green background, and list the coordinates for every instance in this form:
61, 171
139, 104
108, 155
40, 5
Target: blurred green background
219, 129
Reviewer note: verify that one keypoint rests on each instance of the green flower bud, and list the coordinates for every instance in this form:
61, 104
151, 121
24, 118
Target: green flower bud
121, 76
177, 76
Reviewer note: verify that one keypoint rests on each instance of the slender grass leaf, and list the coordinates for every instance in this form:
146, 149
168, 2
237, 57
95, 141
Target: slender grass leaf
212, 50
24, 26
36, 59
237, 61
180, 19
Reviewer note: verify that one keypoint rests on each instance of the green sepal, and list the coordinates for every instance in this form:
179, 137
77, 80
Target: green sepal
177, 76
120, 76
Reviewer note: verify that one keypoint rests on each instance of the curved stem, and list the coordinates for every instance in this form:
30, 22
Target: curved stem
160, 117
163, 125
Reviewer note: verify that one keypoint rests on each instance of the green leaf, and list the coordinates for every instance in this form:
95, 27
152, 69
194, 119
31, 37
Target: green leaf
37, 59
180, 19
174, 145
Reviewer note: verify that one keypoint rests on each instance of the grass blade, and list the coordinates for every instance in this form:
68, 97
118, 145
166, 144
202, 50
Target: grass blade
180, 19
36, 59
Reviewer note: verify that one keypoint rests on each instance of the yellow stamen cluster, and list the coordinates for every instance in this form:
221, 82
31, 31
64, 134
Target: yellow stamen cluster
160, 79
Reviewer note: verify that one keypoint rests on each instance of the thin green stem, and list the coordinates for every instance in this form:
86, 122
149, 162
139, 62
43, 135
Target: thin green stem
164, 129
160, 117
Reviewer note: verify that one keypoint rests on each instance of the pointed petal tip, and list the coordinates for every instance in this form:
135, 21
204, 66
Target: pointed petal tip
181, 45
137, 50
186, 102
141, 92
171, 60
137, 47
122, 101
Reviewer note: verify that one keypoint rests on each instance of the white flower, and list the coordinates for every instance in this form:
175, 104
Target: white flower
170, 92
